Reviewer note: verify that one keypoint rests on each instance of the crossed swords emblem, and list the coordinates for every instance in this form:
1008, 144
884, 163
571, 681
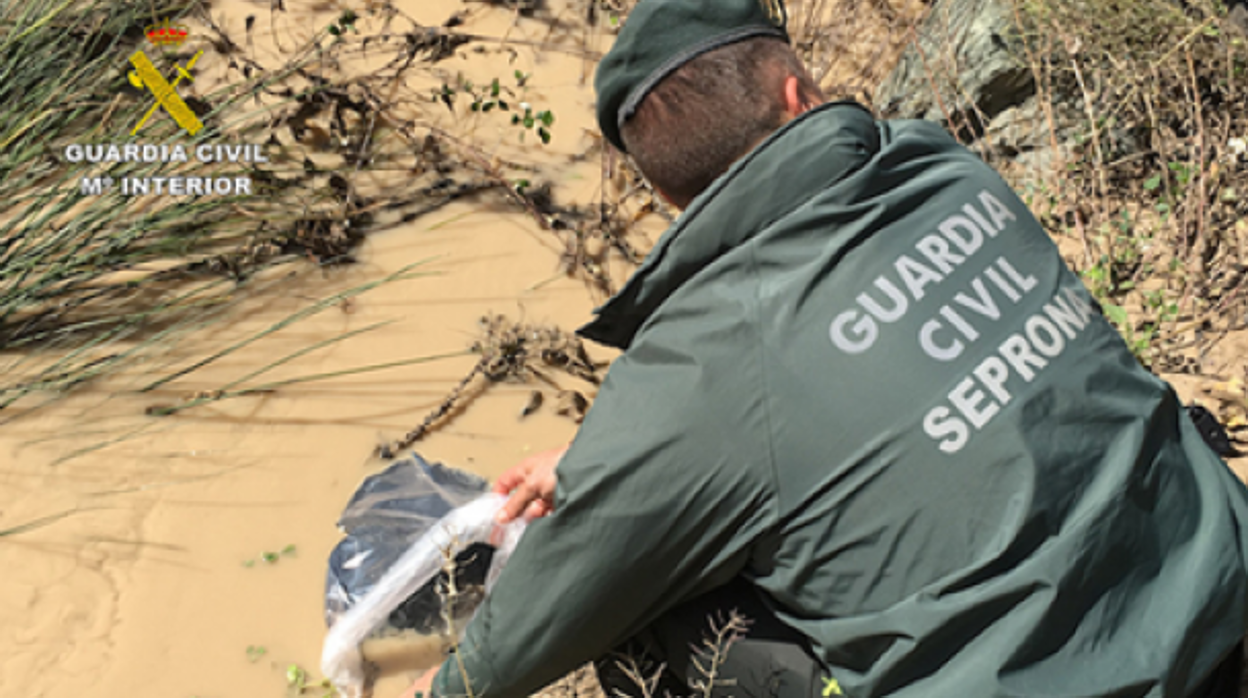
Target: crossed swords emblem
146, 75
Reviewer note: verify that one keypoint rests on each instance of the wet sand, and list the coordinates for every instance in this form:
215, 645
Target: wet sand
155, 585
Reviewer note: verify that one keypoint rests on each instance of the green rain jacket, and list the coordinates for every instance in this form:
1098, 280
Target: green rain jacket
857, 372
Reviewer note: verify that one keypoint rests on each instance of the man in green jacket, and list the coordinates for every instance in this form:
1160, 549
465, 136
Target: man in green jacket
862, 397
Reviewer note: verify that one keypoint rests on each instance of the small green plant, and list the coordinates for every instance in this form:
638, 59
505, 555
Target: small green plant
489, 98
345, 23
1175, 189
542, 120
495, 95
296, 677
298, 683
256, 652
272, 557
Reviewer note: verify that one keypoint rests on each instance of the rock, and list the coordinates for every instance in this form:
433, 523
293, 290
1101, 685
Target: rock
969, 63
1021, 131
1238, 14
969, 51
969, 71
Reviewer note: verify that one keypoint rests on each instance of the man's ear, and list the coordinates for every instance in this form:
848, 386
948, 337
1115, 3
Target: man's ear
795, 102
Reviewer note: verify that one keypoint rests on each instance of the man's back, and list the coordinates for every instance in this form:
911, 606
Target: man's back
974, 489
857, 374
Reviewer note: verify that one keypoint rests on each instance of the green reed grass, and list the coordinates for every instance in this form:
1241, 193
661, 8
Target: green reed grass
88, 284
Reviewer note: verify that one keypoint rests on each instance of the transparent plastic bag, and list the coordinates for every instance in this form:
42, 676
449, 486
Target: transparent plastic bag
386, 600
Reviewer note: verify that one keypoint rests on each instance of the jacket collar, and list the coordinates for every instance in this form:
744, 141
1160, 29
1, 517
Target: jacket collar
810, 153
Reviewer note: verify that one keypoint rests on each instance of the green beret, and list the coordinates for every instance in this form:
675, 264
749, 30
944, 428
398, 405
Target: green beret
659, 36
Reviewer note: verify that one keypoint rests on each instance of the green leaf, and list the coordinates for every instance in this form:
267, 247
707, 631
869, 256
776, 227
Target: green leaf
255, 652
543, 134
1152, 183
528, 121
296, 677
546, 117
289, 549
333, 29
1116, 314
494, 88
1094, 273
269, 557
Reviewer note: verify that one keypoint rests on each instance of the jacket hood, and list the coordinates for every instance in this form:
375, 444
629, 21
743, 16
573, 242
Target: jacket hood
825, 145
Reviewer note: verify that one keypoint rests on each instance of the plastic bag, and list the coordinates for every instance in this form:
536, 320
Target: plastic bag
386, 600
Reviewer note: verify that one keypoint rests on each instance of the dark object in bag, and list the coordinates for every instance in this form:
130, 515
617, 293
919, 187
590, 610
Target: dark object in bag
1211, 431
388, 512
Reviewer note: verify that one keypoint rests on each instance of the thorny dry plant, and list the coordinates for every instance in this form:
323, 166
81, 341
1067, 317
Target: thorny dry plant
645, 677
453, 602
708, 661
709, 658
514, 352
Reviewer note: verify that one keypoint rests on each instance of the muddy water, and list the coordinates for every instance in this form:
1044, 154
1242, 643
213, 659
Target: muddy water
153, 583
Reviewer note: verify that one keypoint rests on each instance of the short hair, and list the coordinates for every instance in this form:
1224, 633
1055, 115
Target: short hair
709, 112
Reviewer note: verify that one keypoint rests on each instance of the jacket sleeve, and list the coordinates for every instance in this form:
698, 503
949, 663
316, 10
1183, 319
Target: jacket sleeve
663, 494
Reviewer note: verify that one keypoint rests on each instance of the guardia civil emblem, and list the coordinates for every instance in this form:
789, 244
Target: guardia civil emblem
146, 76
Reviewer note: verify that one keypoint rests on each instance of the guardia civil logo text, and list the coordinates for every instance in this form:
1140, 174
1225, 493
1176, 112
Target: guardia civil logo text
166, 101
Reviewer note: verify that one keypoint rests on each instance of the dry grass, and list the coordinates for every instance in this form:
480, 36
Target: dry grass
514, 352
1148, 182
850, 46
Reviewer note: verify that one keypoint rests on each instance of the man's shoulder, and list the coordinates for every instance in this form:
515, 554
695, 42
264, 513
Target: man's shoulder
911, 138
917, 128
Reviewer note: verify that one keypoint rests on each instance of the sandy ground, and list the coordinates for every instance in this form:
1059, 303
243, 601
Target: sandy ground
152, 585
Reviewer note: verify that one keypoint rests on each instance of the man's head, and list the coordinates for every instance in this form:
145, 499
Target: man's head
692, 85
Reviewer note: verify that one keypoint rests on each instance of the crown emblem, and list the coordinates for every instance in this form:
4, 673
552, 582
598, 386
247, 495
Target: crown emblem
165, 34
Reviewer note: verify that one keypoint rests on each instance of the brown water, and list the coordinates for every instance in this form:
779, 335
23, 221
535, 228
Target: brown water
153, 585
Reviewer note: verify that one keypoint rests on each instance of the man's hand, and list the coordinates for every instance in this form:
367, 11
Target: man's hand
531, 484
